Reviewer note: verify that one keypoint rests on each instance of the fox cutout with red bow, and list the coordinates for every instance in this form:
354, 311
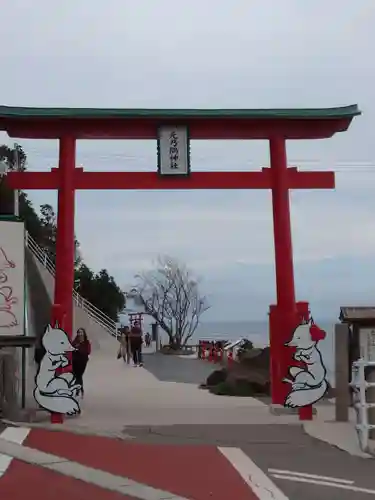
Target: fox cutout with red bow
308, 383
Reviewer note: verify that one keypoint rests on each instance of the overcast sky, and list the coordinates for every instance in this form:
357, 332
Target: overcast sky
214, 54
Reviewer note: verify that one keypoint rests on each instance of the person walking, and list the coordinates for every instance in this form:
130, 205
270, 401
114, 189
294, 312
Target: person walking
148, 339
80, 356
125, 345
135, 338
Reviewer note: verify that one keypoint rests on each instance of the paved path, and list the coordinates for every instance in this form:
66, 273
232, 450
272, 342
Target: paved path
178, 369
151, 472
164, 392
285, 448
192, 462
34, 470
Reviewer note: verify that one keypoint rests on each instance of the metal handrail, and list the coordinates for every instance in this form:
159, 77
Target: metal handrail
360, 386
96, 314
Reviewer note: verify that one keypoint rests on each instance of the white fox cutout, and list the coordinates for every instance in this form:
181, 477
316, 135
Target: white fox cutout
56, 393
309, 384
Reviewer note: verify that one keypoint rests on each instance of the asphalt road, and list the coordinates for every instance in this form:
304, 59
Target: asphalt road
169, 368
278, 447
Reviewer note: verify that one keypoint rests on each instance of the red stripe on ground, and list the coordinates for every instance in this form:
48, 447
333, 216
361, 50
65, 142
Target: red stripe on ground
196, 472
22, 481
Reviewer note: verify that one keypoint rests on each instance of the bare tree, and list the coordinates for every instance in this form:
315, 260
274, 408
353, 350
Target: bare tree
171, 296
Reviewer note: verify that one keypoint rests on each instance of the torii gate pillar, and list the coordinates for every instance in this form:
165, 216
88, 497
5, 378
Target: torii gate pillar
65, 243
283, 317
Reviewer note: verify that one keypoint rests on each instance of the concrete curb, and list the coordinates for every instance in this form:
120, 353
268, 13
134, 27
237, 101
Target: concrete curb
335, 435
281, 410
90, 475
83, 430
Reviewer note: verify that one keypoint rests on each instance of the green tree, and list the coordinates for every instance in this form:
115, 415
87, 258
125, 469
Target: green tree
107, 294
83, 281
30, 217
14, 158
101, 290
48, 221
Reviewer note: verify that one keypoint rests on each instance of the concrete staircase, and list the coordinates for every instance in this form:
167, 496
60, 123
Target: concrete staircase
101, 329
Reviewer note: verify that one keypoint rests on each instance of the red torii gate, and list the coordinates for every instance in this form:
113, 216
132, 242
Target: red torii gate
275, 125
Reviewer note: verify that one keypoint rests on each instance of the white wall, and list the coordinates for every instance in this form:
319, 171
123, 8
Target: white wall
12, 272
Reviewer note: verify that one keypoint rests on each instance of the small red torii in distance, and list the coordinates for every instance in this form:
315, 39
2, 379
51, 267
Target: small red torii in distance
275, 125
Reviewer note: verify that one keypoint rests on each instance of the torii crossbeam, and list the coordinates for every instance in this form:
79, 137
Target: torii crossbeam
151, 180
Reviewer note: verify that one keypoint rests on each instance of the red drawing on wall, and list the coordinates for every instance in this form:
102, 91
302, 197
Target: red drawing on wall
7, 319
5, 263
7, 301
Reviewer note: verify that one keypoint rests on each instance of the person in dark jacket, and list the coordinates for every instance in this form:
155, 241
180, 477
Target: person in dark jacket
80, 356
124, 350
136, 341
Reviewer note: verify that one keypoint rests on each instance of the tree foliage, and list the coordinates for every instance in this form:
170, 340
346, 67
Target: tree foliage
170, 294
13, 157
48, 221
99, 288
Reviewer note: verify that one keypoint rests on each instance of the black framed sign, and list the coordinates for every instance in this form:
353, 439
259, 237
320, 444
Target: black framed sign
173, 150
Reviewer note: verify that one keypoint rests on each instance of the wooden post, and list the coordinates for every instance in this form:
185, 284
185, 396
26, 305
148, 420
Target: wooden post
341, 350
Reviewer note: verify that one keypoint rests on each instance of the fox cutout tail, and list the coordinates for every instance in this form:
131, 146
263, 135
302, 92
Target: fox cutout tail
57, 404
306, 397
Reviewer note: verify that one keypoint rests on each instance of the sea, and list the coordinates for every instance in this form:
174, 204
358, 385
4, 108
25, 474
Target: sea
257, 332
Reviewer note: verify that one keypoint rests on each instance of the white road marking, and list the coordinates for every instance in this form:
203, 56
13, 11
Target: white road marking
4, 463
15, 435
330, 484
254, 477
311, 476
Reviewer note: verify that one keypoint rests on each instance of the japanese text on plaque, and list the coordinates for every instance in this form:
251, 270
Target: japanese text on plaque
174, 154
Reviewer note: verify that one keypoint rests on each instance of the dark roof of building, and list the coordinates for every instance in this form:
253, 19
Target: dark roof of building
349, 314
110, 113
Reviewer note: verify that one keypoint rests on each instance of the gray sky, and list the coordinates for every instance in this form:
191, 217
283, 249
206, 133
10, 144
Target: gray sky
210, 53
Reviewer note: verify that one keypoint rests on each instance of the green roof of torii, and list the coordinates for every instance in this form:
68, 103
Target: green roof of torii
99, 113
